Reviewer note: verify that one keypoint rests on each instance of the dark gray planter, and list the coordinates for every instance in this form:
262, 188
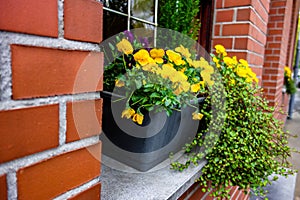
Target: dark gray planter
144, 146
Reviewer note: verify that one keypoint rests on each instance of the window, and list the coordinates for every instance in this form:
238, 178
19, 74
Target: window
123, 15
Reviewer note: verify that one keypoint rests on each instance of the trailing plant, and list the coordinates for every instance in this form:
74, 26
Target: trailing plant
180, 15
288, 81
251, 144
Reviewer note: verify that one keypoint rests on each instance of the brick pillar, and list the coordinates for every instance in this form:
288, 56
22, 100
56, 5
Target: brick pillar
292, 37
241, 26
276, 53
50, 107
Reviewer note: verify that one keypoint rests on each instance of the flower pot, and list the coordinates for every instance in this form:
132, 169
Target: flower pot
144, 146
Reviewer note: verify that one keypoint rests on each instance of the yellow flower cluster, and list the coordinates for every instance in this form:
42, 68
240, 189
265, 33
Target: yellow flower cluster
170, 65
241, 67
130, 113
287, 72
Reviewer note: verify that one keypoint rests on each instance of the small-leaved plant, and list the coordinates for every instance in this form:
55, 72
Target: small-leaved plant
251, 145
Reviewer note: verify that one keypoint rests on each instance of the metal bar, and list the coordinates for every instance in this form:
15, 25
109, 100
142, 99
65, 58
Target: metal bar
296, 67
155, 21
129, 14
114, 11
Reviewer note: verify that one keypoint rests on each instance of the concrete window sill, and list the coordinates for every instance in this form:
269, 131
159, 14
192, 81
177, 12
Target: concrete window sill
161, 183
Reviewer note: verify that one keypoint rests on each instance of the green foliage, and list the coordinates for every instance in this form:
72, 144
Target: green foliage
252, 144
180, 16
290, 86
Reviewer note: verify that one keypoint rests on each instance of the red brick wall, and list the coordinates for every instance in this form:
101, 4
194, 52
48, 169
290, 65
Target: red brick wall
241, 27
50, 107
195, 193
279, 50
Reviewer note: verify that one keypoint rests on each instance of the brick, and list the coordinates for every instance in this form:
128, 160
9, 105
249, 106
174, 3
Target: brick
92, 193
29, 16
219, 3
276, 18
243, 14
84, 119
3, 187
258, 35
239, 55
272, 58
235, 29
50, 178
235, 3
257, 71
41, 72
275, 4
224, 15
261, 10
275, 32
83, 20
226, 42
274, 45
198, 194
27, 131
241, 43
217, 29
255, 59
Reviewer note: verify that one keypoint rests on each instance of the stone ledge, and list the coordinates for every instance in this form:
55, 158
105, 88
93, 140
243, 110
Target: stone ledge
160, 184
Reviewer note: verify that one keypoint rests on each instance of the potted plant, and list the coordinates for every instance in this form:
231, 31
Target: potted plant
289, 83
152, 103
252, 144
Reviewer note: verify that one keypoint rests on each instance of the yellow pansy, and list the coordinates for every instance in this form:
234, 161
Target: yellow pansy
157, 55
208, 69
150, 67
181, 87
287, 72
241, 71
184, 51
195, 87
228, 61
138, 118
125, 46
220, 49
142, 57
244, 62
175, 57
128, 113
119, 83
197, 116
216, 60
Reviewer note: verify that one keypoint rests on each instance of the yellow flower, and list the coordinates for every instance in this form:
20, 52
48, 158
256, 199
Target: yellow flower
138, 118
232, 81
157, 55
197, 116
228, 61
119, 83
208, 69
216, 60
244, 62
195, 87
287, 72
182, 87
175, 57
150, 67
125, 47
128, 113
184, 51
142, 57
241, 71
220, 49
